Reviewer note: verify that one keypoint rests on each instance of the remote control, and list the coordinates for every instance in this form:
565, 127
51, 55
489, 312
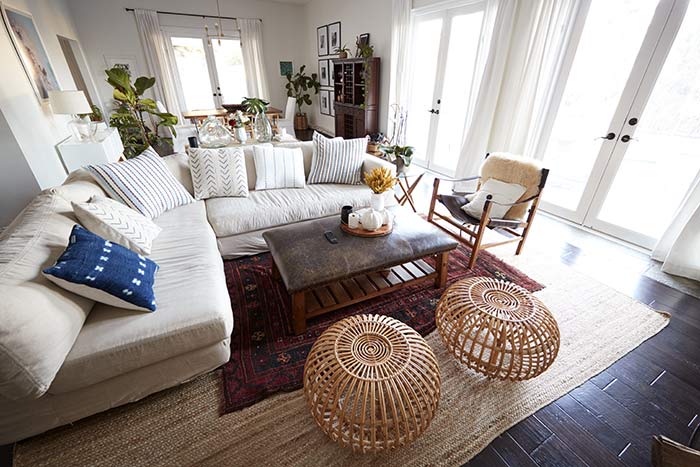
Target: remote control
330, 236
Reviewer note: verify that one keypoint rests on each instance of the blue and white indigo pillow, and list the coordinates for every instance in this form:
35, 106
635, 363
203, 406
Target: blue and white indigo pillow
143, 183
106, 272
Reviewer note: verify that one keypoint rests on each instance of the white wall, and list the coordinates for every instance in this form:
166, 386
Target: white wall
30, 123
105, 28
356, 17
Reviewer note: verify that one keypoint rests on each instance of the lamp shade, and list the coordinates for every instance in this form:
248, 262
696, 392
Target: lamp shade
69, 102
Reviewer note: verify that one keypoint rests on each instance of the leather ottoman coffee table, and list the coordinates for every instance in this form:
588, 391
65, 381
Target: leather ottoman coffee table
322, 277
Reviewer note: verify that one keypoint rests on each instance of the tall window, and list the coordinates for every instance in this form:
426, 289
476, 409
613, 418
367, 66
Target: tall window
210, 75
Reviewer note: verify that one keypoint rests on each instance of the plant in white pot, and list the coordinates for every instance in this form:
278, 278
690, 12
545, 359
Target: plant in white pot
299, 86
399, 155
380, 180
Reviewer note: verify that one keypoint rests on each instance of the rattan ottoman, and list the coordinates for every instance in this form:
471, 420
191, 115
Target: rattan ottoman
372, 383
497, 328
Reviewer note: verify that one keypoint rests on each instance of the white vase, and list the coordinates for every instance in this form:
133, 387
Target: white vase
241, 134
376, 202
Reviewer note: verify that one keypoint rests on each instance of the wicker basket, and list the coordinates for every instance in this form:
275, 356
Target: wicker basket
372, 383
497, 328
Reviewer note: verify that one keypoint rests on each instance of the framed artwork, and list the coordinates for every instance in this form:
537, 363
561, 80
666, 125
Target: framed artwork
324, 72
31, 51
325, 102
332, 99
286, 68
363, 39
334, 39
125, 62
322, 40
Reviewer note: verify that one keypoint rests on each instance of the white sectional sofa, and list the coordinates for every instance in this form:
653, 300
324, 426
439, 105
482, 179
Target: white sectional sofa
64, 357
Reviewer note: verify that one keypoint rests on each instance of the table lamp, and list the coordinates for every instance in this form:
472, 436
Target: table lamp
74, 103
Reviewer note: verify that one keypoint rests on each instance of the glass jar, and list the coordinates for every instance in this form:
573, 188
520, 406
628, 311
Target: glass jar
213, 134
263, 129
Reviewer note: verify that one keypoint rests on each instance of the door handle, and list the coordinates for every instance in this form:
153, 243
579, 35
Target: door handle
626, 138
609, 136
434, 111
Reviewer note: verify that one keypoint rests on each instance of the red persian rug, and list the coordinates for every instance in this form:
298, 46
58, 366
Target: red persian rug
266, 357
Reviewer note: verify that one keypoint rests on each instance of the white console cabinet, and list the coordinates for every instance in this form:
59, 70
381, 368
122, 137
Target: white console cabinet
106, 148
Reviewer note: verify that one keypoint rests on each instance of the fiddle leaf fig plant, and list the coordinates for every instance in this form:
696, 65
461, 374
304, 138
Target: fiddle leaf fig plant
300, 85
132, 111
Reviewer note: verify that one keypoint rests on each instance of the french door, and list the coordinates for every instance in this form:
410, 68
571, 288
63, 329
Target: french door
444, 47
624, 143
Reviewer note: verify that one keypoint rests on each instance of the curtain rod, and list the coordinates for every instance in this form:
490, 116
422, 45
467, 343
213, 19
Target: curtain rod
174, 13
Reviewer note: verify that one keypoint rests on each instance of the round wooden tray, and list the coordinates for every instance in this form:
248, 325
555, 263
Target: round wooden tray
360, 232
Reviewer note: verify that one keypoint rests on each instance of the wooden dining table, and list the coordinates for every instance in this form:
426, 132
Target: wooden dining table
196, 117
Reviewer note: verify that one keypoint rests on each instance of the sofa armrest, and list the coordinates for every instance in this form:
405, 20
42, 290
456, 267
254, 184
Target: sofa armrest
372, 162
179, 166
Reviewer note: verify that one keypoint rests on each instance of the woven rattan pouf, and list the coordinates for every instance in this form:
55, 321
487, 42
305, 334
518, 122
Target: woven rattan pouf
372, 383
497, 328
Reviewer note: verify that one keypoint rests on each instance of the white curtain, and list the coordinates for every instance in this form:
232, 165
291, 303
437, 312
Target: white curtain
400, 37
679, 247
520, 65
159, 60
252, 46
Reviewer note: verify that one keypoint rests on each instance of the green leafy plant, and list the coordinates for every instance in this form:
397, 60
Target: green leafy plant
343, 51
96, 115
300, 85
394, 152
131, 111
254, 105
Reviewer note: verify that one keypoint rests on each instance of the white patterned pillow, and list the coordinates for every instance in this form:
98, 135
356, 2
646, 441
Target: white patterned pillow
278, 167
218, 172
337, 160
117, 223
143, 183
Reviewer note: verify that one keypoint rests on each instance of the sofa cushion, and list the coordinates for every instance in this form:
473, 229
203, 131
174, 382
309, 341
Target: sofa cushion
337, 161
270, 208
194, 309
79, 187
39, 321
218, 172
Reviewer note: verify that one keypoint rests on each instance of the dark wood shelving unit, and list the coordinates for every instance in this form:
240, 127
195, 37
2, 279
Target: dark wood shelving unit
356, 86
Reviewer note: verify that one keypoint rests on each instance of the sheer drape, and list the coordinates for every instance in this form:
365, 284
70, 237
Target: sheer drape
159, 59
679, 247
252, 47
400, 42
520, 65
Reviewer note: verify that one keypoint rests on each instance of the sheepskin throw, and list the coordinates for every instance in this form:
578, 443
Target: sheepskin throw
511, 168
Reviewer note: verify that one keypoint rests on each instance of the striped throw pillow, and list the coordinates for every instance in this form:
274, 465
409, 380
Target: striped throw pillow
278, 167
143, 183
337, 160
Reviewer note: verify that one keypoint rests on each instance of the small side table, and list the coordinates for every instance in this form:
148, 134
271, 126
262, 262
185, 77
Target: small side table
106, 148
407, 186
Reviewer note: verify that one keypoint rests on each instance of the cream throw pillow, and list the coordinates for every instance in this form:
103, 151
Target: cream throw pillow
218, 172
278, 167
117, 223
501, 192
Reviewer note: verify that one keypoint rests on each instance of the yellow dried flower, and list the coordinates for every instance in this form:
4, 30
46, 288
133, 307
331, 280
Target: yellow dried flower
380, 180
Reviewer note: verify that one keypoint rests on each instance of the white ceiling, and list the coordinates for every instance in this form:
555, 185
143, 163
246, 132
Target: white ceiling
295, 2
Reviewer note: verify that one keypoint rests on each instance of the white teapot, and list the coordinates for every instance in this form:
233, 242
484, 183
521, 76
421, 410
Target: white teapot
372, 220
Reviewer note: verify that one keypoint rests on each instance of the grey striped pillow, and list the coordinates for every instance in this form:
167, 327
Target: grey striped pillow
337, 160
143, 183
278, 167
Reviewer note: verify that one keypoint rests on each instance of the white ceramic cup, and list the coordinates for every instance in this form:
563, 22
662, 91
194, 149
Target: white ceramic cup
353, 220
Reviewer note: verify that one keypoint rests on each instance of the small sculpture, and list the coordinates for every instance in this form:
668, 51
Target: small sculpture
372, 220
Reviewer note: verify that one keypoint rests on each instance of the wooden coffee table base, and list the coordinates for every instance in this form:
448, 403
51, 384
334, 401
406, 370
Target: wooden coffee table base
335, 295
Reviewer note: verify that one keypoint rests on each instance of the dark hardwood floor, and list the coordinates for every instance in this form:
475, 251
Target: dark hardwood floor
610, 419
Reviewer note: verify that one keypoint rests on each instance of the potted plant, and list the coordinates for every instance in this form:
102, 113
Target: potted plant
299, 87
380, 180
375, 140
131, 107
261, 124
237, 121
399, 155
342, 51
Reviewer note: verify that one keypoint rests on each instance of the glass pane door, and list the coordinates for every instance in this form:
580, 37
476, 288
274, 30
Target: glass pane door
663, 158
191, 61
610, 42
230, 72
444, 48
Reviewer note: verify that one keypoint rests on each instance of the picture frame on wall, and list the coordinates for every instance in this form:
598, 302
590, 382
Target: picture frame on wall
322, 40
324, 100
31, 51
286, 68
125, 62
324, 72
332, 102
334, 39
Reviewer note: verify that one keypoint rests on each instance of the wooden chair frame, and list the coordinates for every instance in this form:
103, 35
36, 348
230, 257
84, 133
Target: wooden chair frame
475, 231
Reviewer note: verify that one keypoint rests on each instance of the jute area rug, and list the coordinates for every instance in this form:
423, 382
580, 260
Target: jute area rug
182, 426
